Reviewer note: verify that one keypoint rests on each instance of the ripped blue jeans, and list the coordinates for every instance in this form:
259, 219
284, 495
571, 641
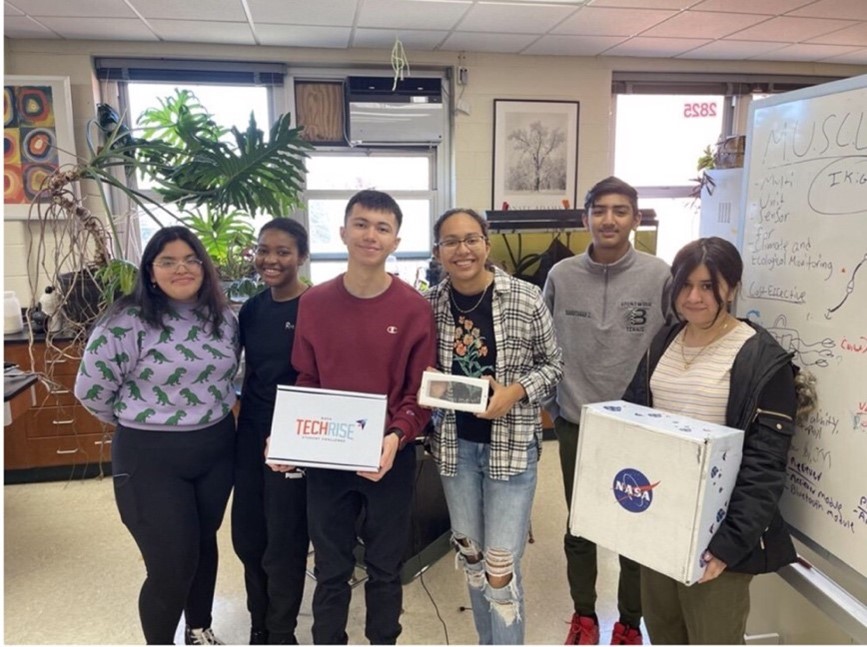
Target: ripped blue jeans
490, 524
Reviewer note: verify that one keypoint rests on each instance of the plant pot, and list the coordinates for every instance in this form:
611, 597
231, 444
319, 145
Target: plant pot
82, 297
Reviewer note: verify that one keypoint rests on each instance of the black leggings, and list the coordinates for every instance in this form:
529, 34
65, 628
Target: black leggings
171, 490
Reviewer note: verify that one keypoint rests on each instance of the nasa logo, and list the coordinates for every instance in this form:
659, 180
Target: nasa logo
391, 330
633, 490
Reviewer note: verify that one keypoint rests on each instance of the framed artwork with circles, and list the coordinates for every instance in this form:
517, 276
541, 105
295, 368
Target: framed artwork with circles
37, 138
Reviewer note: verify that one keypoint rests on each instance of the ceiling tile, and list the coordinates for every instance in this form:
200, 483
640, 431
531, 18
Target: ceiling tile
661, 47
222, 10
806, 52
476, 42
572, 45
701, 24
790, 30
850, 9
854, 35
765, 7
645, 4
731, 50
10, 10
337, 13
23, 27
290, 36
105, 29
411, 38
411, 14
858, 57
513, 19
203, 31
76, 9
591, 21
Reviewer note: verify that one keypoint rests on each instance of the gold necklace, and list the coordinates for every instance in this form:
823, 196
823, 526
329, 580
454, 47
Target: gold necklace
478, 303
688, 362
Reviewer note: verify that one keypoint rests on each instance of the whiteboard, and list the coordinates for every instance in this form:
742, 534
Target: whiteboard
804, 245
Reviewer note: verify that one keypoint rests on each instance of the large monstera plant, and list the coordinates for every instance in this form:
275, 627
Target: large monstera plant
208, 177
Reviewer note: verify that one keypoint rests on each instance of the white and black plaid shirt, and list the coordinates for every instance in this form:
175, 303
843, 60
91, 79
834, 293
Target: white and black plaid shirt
527, 353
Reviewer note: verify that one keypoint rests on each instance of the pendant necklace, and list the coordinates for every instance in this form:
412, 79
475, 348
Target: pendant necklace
688, 362
478, 303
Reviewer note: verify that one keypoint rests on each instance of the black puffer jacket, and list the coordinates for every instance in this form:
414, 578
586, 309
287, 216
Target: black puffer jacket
753, 538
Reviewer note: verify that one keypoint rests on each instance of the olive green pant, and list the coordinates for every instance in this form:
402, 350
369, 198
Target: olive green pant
713, 613
581, 553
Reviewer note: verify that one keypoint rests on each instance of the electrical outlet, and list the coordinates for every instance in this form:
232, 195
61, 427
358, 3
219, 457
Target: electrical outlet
463, 76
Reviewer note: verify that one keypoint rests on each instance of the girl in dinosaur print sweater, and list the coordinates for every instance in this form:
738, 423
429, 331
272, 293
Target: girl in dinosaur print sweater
159, 367
174, 378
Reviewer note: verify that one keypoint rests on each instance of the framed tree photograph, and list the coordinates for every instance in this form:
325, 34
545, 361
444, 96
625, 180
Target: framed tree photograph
535, 154
37, 137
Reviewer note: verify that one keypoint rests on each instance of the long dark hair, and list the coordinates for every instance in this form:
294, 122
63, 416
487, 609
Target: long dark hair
153, 302
721, 259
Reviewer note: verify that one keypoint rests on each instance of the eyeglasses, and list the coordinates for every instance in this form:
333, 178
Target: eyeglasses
173, 264
452, 244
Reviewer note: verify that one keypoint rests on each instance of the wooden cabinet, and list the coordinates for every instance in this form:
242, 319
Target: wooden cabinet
56, 431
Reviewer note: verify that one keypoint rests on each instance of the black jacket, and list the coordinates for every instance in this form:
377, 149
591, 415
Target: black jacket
753, 538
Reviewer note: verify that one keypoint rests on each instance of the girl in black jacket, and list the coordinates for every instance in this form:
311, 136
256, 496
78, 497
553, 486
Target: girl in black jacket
714, 367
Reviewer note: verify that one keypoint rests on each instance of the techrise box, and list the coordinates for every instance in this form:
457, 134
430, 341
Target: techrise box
653, 486
339, 430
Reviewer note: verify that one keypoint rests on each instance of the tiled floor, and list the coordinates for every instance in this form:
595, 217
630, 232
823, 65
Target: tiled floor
72, 575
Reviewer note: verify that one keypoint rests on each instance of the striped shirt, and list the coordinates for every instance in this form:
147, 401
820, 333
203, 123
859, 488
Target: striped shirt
527, 353
694, 380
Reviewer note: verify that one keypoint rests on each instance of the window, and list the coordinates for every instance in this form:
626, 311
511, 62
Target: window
334, 177
660, 161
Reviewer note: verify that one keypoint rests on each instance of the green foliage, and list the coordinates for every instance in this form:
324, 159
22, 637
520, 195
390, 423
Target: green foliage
228, 238
202, 168
116, 279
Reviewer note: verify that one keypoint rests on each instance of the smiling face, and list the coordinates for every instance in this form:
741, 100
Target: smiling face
277, 258
610, 220
462, 249
370, 236
178, 281
697, 303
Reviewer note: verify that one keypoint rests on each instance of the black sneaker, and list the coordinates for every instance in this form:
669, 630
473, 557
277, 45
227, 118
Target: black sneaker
258, 636
201, 637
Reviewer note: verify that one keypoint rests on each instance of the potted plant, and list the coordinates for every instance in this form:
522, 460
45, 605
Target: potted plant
208, 177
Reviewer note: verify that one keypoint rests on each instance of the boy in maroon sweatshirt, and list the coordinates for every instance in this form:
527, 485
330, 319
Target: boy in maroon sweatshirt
368, 331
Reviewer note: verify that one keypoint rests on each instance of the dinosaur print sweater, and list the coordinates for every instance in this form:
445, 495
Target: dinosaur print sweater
177, 378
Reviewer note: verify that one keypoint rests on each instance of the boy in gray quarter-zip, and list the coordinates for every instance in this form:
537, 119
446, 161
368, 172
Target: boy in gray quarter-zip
607, 305
714, 367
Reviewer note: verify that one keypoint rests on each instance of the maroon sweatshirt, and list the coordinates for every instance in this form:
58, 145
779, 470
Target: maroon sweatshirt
379, 345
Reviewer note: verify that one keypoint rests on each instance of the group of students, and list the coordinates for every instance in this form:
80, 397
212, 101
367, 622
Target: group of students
160, 367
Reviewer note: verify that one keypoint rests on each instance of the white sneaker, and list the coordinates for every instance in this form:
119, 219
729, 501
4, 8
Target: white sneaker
201, 637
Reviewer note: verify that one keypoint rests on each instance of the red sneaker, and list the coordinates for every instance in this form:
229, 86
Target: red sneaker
583, 630
625, 635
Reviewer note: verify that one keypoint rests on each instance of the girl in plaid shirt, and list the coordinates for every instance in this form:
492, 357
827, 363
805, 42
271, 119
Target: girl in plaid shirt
493, 326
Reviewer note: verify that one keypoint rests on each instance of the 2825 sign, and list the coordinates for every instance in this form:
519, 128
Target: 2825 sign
707, 109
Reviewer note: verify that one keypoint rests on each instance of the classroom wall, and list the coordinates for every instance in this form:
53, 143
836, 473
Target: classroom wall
491, 76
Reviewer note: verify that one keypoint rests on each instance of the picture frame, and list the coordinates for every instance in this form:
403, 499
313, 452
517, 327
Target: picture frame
38, 137
523, 178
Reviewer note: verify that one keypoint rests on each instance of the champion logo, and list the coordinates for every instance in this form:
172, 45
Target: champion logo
633, 490
391, 330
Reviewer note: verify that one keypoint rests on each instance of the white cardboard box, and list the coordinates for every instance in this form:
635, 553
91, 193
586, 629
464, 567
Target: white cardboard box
653, 486
458, 392
339, 430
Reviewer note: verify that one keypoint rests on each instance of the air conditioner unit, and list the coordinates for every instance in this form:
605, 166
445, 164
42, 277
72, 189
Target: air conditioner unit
380, 113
